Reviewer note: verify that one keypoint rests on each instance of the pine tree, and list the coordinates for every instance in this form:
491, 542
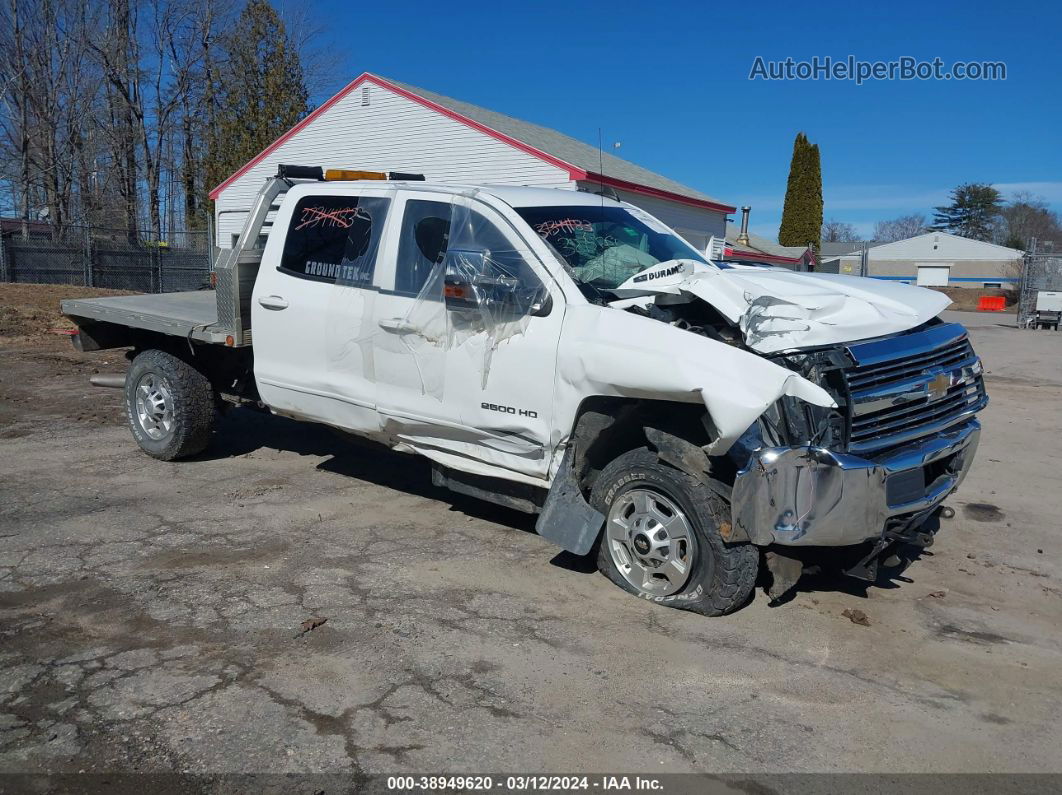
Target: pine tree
815, 198
802, 212
261, 92
973, 210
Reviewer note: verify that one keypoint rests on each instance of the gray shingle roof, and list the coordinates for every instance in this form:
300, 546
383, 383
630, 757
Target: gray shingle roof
763, 244
560, 146
840, 249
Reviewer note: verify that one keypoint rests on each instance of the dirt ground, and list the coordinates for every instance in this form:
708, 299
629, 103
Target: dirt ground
966, 299
151, 613
30, 312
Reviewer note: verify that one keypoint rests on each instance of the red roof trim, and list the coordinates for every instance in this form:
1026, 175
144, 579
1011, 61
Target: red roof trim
634, 187
758, 256
574, 172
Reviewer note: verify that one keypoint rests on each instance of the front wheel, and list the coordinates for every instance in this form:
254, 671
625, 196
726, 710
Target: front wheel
170, 405
661, 539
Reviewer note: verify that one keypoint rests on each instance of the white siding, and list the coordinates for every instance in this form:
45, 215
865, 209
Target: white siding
391, 133
692, 220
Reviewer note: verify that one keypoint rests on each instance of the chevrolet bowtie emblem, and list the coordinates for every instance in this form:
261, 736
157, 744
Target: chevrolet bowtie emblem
938, 387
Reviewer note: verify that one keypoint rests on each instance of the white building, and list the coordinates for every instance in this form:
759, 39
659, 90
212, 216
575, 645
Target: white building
376, 124
939, 259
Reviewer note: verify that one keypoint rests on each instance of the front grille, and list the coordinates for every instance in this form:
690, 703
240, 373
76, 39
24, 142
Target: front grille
911, 386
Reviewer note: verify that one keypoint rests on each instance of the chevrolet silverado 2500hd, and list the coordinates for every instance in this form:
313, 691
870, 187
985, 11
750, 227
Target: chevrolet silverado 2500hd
571, 356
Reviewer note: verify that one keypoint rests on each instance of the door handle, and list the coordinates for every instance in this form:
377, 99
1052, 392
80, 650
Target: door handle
273, 302
396, 325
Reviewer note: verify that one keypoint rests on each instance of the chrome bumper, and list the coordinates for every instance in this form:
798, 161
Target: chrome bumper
808, 496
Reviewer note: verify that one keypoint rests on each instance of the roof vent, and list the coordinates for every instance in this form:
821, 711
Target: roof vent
364, 96
743, 235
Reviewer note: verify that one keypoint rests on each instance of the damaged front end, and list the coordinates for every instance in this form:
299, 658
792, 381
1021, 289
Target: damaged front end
902, 438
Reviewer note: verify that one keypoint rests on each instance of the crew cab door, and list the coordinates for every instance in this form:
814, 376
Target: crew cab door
468, 328
313, 305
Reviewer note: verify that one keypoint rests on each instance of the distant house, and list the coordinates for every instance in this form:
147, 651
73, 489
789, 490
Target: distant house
12, 228
831, 254
378, 124
749, 249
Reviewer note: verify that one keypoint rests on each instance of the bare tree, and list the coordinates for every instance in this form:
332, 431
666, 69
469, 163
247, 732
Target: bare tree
150, 63
834, 231
16, 101
109, 108
1026, 217
322, 65
45, 104
900, 228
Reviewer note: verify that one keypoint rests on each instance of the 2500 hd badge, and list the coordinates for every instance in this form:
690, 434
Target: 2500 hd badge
509, 410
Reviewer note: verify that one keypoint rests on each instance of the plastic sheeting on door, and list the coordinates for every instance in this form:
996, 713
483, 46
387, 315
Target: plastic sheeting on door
481, 292
364, 223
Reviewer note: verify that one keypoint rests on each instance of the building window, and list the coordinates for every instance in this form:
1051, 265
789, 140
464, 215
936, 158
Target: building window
993, 285
334, 239
259, 243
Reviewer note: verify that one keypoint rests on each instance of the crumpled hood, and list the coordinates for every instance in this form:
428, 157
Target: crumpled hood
781, 310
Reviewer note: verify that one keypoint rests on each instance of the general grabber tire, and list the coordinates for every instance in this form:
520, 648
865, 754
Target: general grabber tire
661, 538
170, 405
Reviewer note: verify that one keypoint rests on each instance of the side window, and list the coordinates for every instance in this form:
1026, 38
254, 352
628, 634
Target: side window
335, 239
422, 244
475, 232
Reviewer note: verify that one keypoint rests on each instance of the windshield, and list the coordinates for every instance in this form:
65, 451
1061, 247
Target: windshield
605, 246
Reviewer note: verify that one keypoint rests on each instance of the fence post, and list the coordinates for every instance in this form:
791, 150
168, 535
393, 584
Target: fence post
89, 279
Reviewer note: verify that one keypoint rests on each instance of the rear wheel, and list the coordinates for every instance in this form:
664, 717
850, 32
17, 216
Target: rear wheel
170, 405
661, 539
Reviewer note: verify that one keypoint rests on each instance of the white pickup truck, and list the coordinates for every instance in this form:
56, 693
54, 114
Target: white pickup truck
569, 355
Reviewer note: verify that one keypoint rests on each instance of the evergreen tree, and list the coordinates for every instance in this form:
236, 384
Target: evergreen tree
261, 92
802, 212
972, 213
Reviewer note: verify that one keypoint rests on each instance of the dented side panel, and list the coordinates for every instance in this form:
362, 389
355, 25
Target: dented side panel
468, 382
616, 353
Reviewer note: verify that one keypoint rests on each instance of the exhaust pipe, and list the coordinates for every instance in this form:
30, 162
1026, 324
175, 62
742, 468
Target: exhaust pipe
110, 380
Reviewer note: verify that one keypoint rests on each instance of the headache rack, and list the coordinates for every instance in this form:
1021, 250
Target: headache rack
236, 269
911, 386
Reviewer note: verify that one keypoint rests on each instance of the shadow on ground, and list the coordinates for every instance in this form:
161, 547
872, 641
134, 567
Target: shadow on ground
244, 431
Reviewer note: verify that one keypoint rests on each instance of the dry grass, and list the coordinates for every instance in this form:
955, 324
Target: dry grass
31, 311
966, 298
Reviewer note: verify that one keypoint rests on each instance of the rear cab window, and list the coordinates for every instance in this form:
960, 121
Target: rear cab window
335, 239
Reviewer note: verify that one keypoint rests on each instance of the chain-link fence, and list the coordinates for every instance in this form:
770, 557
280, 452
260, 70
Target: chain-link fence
95, 257
1040, 272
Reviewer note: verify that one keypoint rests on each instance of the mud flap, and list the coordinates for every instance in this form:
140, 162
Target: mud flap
567, 519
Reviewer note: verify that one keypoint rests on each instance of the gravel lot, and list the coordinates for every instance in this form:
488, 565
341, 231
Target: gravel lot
150, 613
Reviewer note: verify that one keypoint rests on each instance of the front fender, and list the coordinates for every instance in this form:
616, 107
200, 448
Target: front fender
608, 351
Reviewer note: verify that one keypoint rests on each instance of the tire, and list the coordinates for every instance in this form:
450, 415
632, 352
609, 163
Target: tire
718, 577
169, 405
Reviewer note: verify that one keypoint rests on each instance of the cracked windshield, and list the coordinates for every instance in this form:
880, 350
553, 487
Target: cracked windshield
605, 246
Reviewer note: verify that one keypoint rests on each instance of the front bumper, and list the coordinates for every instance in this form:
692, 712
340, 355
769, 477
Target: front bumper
809, 496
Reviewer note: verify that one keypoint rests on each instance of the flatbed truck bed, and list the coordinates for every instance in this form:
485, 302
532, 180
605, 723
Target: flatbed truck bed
193, 314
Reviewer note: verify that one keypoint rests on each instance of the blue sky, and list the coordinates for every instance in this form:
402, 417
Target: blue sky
670, 82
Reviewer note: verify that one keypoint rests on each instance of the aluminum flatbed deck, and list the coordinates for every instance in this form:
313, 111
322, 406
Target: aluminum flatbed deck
192, 315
